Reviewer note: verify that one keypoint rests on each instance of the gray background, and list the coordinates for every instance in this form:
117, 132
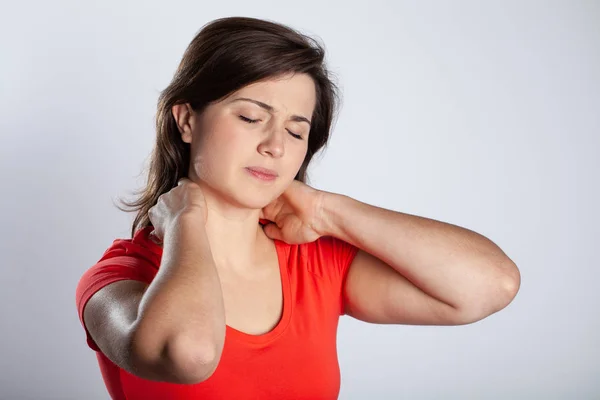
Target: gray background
478, 114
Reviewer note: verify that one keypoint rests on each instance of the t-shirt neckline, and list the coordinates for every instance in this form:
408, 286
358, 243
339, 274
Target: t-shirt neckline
230, 332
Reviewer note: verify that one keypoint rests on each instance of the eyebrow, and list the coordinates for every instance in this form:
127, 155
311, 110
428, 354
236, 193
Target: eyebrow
296, 118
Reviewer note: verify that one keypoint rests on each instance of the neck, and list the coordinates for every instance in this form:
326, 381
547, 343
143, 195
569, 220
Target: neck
237, 241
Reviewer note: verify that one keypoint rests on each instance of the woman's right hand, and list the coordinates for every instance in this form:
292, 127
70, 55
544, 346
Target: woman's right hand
185, 199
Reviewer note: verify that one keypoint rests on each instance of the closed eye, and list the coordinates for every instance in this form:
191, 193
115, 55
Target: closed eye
250, 121
253, 121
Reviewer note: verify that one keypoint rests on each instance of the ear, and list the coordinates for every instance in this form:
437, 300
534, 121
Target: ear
185, 118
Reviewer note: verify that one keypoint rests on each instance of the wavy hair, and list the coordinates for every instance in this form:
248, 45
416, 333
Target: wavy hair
224, 56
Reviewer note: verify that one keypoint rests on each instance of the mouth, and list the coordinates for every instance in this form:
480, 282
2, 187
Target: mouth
262, 173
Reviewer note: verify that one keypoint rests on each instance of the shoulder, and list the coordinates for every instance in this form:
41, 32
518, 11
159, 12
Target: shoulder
326, 255
140, 246
136, 258
133, 259
331, 249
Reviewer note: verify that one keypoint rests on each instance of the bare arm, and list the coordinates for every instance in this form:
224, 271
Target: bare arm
416, 270
174, 329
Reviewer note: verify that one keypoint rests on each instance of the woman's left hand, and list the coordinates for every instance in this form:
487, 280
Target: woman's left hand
296, 215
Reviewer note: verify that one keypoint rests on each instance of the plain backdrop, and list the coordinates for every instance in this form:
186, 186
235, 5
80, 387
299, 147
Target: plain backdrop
485, 115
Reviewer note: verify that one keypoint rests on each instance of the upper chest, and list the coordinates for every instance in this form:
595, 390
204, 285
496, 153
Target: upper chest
254, 302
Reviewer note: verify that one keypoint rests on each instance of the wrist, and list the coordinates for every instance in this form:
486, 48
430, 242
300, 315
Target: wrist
329, 213
188, 221
193, 214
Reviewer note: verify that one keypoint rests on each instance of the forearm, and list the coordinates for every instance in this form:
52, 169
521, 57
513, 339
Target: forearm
184, 303
455, 265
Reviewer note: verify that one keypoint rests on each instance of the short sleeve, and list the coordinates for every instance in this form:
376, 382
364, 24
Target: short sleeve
338, 254
123, 260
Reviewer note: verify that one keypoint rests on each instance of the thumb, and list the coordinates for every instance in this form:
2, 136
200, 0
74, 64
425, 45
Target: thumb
273, 231
181, 181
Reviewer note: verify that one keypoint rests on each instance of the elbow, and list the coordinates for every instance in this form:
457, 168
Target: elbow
179, 359
513, 282
191, 362
508, 286
502, 294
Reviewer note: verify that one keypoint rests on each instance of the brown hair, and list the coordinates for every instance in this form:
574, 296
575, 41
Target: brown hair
226, 55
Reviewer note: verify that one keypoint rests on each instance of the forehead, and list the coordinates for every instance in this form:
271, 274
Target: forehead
290, 93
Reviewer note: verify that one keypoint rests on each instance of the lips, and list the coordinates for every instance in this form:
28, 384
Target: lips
268, 173
262, 174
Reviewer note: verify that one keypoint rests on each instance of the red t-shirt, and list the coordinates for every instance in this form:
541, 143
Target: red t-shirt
295, 360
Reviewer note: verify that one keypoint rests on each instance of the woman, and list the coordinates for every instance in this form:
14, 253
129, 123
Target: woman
237, 271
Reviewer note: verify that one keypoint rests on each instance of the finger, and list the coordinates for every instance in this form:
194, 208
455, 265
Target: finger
272, 231
181, 181
154, 237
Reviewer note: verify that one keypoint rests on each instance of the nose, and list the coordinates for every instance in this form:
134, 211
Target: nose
272, 145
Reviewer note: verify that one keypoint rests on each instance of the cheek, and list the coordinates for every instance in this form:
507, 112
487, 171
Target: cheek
203, 166
298, 158
218, 151
226, 135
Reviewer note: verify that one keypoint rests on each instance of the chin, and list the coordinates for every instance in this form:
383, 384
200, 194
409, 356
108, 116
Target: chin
258, 201
251, 198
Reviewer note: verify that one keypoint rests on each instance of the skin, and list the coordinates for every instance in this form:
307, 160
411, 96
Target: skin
223, 144
409, 269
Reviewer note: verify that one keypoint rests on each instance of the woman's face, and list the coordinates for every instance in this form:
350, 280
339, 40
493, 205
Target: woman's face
238, 134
